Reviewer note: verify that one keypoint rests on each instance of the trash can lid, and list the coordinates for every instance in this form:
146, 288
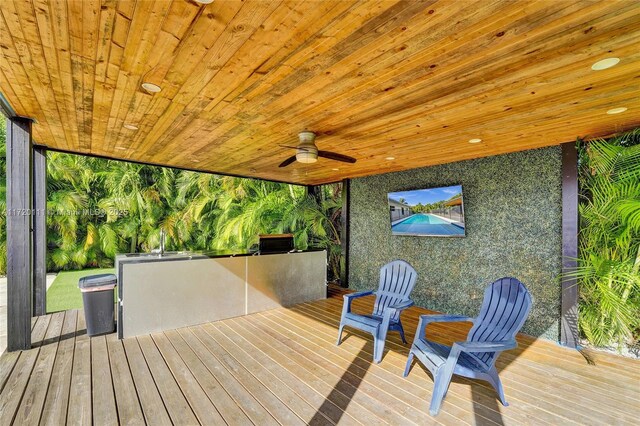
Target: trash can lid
97, 280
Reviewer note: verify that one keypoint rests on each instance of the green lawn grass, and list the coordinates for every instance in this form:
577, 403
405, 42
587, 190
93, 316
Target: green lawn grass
64, 293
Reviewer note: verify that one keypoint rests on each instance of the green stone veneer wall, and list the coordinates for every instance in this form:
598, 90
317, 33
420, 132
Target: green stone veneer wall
513, 208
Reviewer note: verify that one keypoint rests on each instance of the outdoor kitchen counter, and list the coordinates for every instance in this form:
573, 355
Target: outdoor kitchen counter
157, 293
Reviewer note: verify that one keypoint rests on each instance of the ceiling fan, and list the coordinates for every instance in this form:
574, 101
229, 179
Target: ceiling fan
308, 152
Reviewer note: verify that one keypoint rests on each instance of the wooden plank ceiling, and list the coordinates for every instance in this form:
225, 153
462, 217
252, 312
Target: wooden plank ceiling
414, 80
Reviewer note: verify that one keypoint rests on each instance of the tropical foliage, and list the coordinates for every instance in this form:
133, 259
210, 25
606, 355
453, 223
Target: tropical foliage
609, 241
97, 208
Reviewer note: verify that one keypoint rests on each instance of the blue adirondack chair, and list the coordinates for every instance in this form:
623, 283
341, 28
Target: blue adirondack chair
397, 280
505, 308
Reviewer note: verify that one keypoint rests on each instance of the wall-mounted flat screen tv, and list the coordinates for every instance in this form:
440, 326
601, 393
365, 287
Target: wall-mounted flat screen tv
432, 212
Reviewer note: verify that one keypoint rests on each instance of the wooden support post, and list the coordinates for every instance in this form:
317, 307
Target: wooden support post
569, 325
344, 237
39, 231
19, 248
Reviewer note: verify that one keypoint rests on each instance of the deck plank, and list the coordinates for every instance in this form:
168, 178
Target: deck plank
296, 367
102, 389
338, 384
127, 403
179, 409
250, 406
202, 406
258, 389
79, 409
34, 396
57, 400
154, 410
348, 380
228, 408
7, 362
16, 384
306, 403
282, 367
278, 410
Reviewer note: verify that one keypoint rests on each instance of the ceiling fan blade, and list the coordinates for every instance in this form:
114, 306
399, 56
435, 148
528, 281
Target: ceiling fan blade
299, 148
288, 161
335, 156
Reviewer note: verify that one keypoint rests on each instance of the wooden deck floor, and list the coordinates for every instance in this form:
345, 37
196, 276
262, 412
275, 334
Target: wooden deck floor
282, 367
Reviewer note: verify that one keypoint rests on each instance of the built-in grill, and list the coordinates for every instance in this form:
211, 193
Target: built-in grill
276, 243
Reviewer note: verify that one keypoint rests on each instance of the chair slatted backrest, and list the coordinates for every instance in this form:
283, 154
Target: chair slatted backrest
504, 310
397, 280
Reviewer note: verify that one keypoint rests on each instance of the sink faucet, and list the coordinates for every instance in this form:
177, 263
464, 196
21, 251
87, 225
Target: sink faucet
163, 236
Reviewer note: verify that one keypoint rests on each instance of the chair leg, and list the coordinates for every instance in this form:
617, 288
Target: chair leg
407, 368
401, 331
378, 344
441, 385
339, 334
492, 377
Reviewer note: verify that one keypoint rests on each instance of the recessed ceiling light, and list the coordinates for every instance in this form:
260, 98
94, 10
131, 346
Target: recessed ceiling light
130, 126
150, 87
120, 148
605, 63
335, 170
616, 110
204, 1
475, 140
390, 158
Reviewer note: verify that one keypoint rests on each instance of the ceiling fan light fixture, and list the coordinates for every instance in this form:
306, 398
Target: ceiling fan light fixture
307, 151
306, 157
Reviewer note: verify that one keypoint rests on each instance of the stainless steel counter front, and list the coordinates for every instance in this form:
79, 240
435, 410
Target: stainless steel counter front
177, 292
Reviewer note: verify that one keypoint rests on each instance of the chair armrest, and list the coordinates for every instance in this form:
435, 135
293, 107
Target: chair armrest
485, 346
427, 319
358, 294
444, 318
348, 298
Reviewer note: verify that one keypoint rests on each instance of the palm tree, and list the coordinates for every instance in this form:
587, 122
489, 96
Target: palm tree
609, 241
99, 207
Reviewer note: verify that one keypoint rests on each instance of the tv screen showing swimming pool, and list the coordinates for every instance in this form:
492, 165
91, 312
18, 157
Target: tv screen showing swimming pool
432, 212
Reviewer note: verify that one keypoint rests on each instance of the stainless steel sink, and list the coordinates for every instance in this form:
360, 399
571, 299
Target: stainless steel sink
160, 255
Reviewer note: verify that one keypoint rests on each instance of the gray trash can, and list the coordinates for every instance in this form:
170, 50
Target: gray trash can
97, 298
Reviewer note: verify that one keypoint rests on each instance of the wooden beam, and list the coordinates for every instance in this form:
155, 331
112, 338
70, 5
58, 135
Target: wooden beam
569, 326
344, 232
39, 231
19, 253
